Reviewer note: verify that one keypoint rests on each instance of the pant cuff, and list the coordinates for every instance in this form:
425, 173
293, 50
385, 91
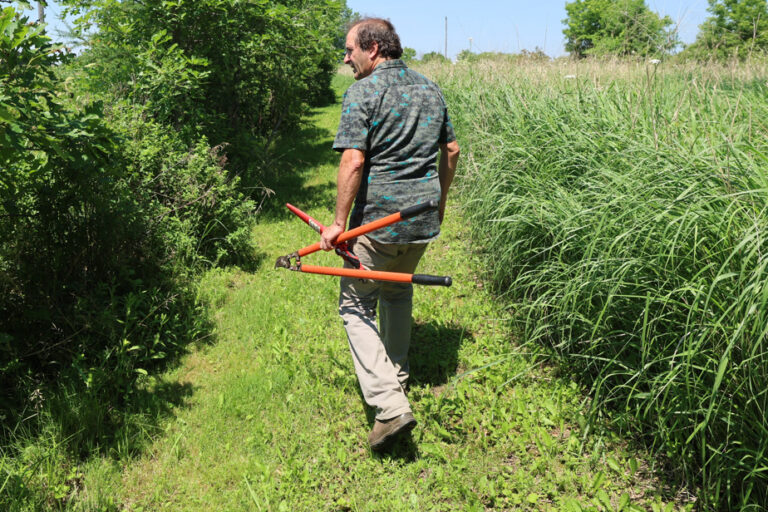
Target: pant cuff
384, 416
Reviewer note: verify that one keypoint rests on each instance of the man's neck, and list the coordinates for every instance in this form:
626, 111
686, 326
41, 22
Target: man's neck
379, 60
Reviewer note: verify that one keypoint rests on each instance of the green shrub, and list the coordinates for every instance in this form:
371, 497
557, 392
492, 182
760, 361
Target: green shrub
118, 186
226, 69
103, 220
434, 57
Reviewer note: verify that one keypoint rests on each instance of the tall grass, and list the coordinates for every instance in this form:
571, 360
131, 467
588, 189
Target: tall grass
623, 208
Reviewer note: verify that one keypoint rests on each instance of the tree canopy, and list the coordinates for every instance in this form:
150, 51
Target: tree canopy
616, 27
735, 28
434, 57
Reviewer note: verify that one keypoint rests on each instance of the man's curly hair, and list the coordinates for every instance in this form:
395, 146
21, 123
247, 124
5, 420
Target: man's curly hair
381, 31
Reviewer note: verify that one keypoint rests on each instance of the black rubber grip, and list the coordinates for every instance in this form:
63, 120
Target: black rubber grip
412, 211
432, 280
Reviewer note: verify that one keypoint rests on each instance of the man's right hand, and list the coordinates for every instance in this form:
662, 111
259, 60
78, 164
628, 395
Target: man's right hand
329, 236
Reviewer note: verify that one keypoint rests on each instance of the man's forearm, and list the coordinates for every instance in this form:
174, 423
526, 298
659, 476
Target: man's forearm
449, 158
348, 183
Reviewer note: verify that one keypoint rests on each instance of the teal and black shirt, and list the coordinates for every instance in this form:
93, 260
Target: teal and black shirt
399, 118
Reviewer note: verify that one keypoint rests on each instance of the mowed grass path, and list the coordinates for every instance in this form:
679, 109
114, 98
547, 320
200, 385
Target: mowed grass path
275, 420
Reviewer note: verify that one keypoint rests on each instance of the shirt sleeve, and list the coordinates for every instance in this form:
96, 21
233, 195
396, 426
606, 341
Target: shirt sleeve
354, 124
446, 132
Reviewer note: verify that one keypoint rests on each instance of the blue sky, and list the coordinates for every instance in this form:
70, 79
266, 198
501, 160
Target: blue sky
493, 25
502, 26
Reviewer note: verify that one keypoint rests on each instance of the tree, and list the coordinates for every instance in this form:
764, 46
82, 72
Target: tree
408, 54
465, 56
223, 68
434, 57
616, 27
736, 28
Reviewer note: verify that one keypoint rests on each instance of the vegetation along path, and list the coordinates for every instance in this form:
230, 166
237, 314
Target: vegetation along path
274, 419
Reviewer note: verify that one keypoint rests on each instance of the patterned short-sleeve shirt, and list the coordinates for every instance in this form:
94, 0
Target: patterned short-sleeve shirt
399, 118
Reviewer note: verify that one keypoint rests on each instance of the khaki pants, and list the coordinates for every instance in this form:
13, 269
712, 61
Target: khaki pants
380, 354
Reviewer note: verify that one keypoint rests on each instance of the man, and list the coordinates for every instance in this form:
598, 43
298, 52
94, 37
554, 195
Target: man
393, 122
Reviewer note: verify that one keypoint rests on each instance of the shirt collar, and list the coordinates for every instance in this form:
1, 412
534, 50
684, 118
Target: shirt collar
390, 64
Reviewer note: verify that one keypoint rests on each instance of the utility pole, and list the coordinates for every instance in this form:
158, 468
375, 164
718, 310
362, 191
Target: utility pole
470, 45
446, 37
41, 12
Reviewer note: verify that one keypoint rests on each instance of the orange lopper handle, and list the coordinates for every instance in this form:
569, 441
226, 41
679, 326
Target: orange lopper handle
376, 224
376, 275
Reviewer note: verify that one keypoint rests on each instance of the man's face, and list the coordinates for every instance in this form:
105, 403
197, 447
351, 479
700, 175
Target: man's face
361, 61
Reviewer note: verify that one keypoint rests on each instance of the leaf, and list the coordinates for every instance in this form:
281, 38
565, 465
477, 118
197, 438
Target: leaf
614, 465
598, 480
160, 37
604, 499
435, 450
623, 501
7, 115
633, 465
571, 505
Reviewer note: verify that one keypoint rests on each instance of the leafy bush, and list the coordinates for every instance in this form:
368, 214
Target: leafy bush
112, 200
628, 233
102, 223
537, 54
227, 69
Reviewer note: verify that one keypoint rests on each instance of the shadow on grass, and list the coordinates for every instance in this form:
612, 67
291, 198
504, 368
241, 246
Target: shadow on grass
434, 359
249, 262
403, 449
117, 430
103, 408
434, 354
288, 169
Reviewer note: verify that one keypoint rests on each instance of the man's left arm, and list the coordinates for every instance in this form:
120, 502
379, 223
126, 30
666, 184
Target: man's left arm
449, 158
347, 185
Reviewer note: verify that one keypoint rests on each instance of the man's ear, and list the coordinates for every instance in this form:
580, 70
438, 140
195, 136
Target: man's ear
373, 51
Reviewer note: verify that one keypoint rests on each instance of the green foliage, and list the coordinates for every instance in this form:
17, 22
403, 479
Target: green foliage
112, 200
227, 69
465, 55
409, 54
99, 230
282, 360
434, 57
55, 189
627, 234
736, 28
616, 27
537, 54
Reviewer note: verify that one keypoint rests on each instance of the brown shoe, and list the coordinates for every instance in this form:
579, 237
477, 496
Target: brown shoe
385, 430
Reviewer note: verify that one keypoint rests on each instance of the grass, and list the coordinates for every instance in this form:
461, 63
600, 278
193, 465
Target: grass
268, 415
626, 207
